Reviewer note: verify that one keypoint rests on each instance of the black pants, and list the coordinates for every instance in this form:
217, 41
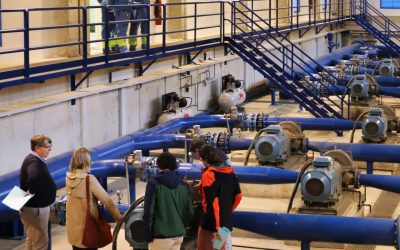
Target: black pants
78, 248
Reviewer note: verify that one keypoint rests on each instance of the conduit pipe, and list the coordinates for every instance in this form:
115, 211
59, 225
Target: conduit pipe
326, 228
114, 149
388, 91
327, 59
383, 81
361, 152
328, 124
389, 183
245, 174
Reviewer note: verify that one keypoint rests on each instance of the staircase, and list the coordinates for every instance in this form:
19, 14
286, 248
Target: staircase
378, 25
284, 67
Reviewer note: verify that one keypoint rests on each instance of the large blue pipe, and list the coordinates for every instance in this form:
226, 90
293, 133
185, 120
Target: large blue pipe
327, 59
388, 91
245, 174
361, 152
328, 124
389, 183
324, 228
383, 81
58, 165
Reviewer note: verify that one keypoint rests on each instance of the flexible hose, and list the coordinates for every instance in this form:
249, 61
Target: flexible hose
119, 224
355, 125
252, 145
294, 191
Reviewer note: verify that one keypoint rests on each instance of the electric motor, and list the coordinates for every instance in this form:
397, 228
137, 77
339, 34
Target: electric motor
374, 127
359, 87
272, 146
386, 68
322, 184
230, 98
135, 229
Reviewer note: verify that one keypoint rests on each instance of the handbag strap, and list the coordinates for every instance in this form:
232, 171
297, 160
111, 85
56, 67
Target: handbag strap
87, 193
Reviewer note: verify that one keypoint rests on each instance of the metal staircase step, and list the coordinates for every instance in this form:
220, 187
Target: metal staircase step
300, 90
320, 106
289, 81
310, 98
269, 65
259, 57
248, 49
279, 73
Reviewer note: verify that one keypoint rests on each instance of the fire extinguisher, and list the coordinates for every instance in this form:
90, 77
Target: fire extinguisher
158, 12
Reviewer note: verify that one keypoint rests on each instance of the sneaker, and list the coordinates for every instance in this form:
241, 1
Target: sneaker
132, 47
144, 46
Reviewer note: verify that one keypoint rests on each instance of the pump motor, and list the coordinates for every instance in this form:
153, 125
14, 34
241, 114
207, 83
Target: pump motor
273, 146
388, 67
374, 127
322, 184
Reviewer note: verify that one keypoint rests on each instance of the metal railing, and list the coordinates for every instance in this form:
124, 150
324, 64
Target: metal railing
198, 27
288, 55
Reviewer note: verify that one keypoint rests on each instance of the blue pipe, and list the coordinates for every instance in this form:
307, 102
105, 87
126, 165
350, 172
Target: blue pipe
338, 89
328, 124
320, 227
388, 81
327, 59
58, 165
236, 143
389, 91
383, 81
245, 174
124, 145
361, 152
389, 183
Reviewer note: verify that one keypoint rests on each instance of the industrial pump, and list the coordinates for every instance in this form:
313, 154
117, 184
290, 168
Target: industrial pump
322, 184
279, 142
374, 127
361, 87
388, 67
233, 93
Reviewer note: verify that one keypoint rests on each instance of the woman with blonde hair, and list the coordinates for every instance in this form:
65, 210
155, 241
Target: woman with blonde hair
76, 202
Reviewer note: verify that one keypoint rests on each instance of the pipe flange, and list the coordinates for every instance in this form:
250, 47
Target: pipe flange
259, 121
357, 179
223, 142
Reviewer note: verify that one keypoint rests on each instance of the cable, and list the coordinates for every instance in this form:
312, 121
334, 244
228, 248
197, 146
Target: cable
252, 145
294, 191
355, 125
119, 224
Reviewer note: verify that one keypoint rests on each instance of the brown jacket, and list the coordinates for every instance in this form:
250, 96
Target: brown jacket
76, 204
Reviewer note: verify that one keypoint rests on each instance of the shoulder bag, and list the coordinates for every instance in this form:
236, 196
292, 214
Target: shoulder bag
97, 232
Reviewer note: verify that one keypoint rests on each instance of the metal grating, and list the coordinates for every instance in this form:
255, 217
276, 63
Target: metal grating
384, 207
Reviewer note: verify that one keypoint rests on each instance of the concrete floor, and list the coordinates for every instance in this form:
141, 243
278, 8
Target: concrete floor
253, 201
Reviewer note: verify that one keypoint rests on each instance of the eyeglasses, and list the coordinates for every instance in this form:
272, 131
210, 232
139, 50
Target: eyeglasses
47, 146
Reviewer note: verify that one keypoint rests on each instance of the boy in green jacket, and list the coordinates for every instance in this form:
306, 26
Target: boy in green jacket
168, 206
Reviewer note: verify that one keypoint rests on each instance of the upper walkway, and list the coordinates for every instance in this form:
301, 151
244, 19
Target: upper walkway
45, 43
